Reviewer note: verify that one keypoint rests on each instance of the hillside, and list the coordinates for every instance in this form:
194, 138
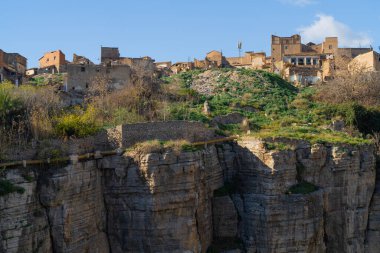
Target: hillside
273, 106
238, 101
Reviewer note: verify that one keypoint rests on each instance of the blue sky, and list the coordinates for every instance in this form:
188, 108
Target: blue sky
179, 30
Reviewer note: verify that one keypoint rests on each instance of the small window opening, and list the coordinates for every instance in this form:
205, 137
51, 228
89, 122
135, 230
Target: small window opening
82, 69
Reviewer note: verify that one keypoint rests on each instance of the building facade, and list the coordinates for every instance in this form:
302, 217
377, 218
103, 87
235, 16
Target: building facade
12, 67
53, 62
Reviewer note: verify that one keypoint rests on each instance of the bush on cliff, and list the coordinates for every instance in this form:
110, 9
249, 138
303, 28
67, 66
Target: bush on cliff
7, 187
77, 124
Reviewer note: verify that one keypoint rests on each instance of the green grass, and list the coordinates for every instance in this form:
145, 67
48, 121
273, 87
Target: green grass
311, 134
278, 146
275, 108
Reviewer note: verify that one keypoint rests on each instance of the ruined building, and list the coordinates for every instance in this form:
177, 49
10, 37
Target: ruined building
53, 62
116, 70
109, 54
12, 67
81, 76
216, 59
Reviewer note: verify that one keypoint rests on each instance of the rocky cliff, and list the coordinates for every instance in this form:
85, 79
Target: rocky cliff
246, 196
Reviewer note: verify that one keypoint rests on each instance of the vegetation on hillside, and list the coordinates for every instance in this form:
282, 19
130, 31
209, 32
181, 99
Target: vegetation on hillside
271, 106
275, 108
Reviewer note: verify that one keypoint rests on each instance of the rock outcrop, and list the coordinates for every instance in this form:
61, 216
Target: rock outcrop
163, 202
373, 229
331, 219
234, 197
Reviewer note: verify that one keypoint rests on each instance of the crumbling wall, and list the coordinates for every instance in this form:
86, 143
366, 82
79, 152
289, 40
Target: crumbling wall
164, 131
81, 77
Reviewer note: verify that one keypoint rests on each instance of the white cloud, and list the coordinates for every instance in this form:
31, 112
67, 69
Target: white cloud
328, 26
298, 2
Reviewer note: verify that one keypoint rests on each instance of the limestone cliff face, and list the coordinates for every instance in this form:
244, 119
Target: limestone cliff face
162, 203
331, 219
61, 210
166, 202
373, 228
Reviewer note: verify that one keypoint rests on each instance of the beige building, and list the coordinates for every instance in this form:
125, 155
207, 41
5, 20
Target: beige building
285, 45
365, 62
303, 63
250, 60
53, 62
179, 67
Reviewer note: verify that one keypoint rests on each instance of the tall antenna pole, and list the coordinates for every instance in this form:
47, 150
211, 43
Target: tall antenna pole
240, 46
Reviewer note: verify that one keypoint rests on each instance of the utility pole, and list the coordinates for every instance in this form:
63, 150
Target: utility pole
16, 74
240, 46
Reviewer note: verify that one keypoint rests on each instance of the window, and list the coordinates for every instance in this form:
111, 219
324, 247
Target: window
55, 57
86, 85
286, 47
294, 61
315, 61
308, 61
97, 70
330, 47
301, 61
82, 69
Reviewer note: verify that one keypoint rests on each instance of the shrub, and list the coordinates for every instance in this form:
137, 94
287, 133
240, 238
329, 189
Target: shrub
10, 106
302, 188
7, 187
77, 123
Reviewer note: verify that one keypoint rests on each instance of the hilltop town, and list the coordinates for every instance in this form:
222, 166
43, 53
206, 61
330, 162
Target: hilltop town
256, 153
298, 63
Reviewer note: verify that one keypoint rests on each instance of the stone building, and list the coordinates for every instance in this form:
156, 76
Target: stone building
213, 59
179, 67
285, 45
116, 70
81, 76
250, 60
12, 67
163, 65
53, 62
367, 62
109, 54
304, 63
78, 59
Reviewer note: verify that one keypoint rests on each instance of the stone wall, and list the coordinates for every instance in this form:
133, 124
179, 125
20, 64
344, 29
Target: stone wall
164, 131
81, 77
